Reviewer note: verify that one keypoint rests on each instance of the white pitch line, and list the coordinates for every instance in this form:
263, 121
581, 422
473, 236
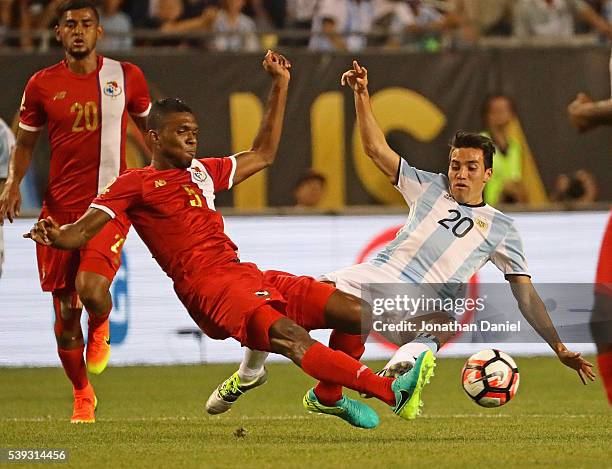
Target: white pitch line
285, 417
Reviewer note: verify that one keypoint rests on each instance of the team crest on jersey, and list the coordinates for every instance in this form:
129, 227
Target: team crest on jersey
197, 175
112, 89
480, 223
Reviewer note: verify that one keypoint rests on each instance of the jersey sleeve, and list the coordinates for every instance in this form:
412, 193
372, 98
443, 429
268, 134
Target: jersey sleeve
221, 171
509, 256
139, 101
120, 195
412, 182
32, 115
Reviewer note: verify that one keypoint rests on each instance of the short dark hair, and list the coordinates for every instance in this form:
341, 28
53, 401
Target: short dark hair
161, 108
68, 5
465, 139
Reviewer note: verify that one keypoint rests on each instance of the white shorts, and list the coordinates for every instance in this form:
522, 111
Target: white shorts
352, 279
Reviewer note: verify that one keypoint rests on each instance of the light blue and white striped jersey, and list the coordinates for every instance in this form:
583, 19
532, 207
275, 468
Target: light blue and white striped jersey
7, 141
444, 241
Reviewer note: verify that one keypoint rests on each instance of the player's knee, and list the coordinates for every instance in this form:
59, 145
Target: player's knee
92, 290
68, 333
349, 314
289, 339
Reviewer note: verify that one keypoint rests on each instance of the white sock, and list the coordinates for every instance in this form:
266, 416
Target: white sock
252, 365
410, 352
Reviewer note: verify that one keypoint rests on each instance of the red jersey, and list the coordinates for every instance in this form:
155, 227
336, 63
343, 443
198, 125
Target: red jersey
87, 122
174, 213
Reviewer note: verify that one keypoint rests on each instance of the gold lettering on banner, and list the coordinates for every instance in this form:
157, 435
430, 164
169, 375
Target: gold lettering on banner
328, 148
396, 109
246, 112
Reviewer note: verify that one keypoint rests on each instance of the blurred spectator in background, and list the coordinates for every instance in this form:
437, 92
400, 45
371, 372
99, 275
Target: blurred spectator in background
309, 190
234, 31
579, 188
497, 114
6, 16
168, 16
268, 14
175, 19
115, 23
428, 25
413, 22
555, 18
483, 18
7, 141
299, 17
341, 25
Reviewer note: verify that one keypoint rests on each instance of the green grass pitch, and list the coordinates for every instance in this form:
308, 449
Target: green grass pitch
154, 417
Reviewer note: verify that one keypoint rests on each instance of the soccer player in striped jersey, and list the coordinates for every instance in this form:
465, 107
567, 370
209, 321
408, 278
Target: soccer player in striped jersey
85, 101
449, 235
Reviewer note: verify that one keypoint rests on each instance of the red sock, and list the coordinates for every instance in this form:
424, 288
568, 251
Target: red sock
337, 367
74, 366
352, 345
95, 320
604, 361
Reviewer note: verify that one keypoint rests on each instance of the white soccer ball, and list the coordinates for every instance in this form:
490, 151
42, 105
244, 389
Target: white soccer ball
490, 377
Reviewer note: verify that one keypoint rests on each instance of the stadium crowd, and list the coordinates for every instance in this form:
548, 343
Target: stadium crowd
321, 25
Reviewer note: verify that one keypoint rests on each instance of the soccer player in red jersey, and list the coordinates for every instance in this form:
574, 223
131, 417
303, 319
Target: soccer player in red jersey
172, 207
586, 114
85, 101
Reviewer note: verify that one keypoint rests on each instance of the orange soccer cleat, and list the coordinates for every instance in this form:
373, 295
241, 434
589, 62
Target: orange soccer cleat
98, 347
85, 404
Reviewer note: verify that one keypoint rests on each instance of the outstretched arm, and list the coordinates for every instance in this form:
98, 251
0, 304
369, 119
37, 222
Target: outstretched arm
263, 152
372, 137
586, 114
73, 236
533, 309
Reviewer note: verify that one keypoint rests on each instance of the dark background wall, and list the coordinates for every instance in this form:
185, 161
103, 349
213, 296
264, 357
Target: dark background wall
542, 82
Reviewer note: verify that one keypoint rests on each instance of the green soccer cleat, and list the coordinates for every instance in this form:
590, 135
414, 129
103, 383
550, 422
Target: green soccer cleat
354, 412
228, 392
408, 386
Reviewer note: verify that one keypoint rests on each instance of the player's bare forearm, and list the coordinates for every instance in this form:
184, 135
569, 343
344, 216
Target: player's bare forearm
21, 156
268, 137
265, 146
71, 236
373, 139
533, 309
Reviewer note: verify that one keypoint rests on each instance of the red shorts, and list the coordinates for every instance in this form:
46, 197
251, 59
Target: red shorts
58, 269
603, 278
223, 300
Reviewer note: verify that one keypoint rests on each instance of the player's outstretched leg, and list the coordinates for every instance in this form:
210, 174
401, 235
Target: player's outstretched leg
70, 350
268, 330
93, 290
250, 375
408, 387
405, 357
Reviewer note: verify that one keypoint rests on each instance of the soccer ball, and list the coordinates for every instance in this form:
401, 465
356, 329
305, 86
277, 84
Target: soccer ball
490, 378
